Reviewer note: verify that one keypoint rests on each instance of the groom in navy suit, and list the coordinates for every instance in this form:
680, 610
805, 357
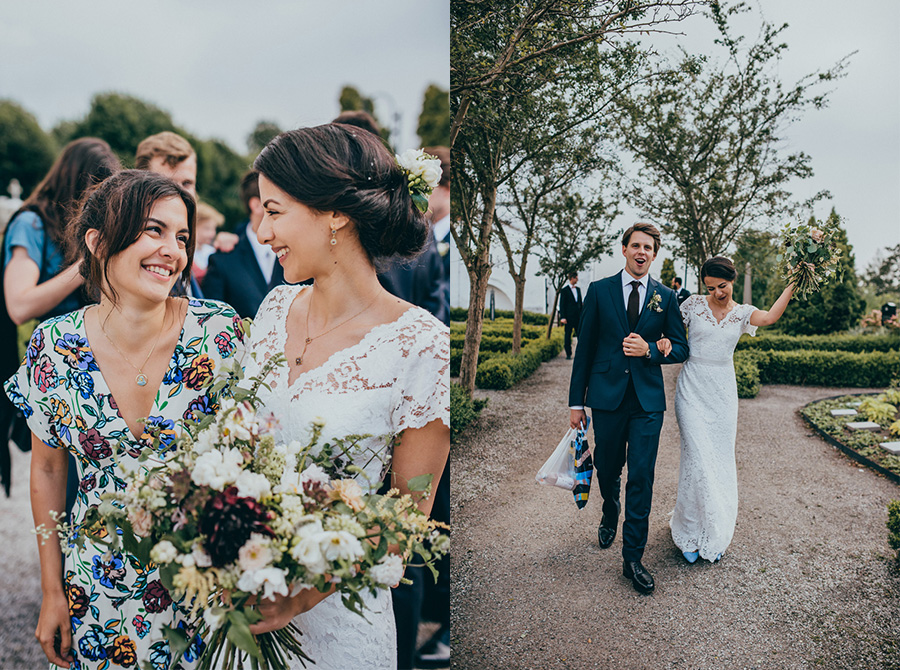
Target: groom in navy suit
616, 373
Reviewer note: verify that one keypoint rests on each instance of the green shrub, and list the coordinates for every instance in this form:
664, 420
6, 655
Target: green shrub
855, 343
827, 368
747, 374
875, 410
463, 410
893, 524
461, 314
495, 374
503, 370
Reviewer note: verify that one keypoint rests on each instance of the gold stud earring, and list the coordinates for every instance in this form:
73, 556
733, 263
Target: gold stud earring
333, 233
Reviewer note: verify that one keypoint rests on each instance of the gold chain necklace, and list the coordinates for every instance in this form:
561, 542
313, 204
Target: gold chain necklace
299, 359
141, 379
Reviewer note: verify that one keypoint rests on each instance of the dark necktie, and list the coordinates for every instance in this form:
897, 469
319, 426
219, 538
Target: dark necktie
633, 302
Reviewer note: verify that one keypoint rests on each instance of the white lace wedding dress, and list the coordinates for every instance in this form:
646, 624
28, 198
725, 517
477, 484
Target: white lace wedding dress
396, 377
706, 406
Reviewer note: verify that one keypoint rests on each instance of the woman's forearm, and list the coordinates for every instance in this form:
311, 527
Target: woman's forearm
48, 494
25, 298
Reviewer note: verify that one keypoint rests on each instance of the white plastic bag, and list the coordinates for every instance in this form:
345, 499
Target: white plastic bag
559, 470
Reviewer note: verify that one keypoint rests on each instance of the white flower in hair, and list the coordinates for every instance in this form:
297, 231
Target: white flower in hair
423, 173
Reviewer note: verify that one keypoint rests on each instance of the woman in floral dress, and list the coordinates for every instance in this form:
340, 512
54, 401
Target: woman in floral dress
89, 380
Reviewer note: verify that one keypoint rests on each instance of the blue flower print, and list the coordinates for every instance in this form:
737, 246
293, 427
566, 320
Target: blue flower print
85, 383
109, 572
198, 407
92, 644
18, 399
141, 625
160, 427
195, 648
76, 352
35, 347
160, 656
177, 364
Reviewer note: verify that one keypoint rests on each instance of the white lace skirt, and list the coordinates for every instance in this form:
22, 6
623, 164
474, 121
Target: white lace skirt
706, 406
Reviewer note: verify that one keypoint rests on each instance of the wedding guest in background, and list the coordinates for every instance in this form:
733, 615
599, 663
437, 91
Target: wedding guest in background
172, 156
570, 311
208, 221
37, 283
681, 293
126, 358
243, 276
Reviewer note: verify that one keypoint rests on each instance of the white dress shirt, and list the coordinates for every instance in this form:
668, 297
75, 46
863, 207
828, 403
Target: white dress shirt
626, 289
264, 255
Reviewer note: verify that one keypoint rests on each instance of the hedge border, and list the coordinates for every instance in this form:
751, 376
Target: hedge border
894, 477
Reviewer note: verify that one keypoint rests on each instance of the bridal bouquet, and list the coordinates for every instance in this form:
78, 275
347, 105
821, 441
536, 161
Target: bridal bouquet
809, 254
229, 515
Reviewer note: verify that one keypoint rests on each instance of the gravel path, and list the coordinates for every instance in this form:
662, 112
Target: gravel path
808, 582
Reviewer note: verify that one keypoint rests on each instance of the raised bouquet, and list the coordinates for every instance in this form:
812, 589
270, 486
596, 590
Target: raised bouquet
230, 516
809, 254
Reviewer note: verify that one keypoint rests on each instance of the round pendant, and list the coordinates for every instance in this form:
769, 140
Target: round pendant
141, 379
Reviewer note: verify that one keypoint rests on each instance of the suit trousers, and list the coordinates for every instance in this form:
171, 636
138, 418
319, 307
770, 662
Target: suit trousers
567, 336
629, 435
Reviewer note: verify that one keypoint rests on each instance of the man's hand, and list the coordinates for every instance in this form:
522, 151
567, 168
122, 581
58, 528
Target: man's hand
562, 320
577, 418
634, 345
225, 241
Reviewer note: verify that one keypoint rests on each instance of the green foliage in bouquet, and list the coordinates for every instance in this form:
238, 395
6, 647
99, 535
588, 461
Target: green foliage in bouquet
809, 254
230, 515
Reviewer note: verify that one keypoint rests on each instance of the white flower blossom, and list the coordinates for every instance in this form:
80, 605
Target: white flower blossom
163, 552
255, 554
215, 617
388, 571
218, 469
339, 544
206, 441
308, 552
271, 580
252, 485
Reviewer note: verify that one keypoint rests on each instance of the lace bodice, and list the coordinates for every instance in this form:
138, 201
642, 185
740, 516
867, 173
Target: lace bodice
396, 377
710, 340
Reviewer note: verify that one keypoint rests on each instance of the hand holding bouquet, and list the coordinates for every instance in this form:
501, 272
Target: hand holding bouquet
809, 255
230, 516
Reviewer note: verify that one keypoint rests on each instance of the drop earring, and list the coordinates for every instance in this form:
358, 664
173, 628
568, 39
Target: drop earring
333, 239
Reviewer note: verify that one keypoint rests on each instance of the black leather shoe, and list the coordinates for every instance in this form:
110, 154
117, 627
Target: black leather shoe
640, 578
606, 535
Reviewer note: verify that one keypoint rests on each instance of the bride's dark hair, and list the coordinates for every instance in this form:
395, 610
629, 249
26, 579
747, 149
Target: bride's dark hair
718, 267
341, 168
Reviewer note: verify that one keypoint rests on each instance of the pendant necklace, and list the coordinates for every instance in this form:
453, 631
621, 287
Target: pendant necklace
141, 379
299, 359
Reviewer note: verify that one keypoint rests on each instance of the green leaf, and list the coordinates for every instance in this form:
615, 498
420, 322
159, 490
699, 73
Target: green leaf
239, 633
420, 201
420, 483
178, 640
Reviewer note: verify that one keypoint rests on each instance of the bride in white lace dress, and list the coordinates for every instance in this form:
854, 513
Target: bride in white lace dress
359, 359
706, 406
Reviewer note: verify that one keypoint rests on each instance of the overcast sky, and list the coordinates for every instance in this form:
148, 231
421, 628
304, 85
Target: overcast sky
855, 142
219, 67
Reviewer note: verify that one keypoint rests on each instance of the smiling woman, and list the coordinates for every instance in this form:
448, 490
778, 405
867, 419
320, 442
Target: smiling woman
93, 383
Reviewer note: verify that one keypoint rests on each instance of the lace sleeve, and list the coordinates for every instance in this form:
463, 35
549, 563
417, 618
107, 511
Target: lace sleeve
687, 308
423, 393
745, 321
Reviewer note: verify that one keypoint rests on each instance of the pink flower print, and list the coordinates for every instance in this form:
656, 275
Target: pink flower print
45, 375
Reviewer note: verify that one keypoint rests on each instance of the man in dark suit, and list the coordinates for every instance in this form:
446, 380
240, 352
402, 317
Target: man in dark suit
570, 311
617, 374
681, 293
243, 276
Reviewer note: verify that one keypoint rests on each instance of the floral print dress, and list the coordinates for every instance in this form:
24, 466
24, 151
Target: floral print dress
118, 606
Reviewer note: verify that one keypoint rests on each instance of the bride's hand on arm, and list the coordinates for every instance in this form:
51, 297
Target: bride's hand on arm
664, 345
277, 613
49, 468
767, 318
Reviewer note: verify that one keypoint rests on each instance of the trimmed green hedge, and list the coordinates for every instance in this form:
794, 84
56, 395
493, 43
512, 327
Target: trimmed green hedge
499, 329
503, 370
463, 409
893, 524
854, 343
814, 368
461, 314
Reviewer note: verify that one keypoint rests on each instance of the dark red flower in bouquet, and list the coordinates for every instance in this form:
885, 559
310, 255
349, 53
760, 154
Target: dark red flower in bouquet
156, 597
228, 522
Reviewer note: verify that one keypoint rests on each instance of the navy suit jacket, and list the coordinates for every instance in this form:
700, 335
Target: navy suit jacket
236, 278
601, 370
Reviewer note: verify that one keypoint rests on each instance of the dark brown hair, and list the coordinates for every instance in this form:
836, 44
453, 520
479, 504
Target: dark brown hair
249, 188
118, 209
339, 168
718, 267
80, 165
359, 118
646, 228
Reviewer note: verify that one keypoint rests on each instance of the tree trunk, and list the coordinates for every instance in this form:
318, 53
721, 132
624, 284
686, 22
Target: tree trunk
519, 310
552, 314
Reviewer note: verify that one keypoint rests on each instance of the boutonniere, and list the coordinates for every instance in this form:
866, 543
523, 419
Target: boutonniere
443, 248
655, 299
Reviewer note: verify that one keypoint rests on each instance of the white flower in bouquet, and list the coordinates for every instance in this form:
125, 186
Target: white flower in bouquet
163, 552
347, 523
308, 552
269, 580
201, 558
339, 544
388, 571
215, 617
206, 441
252, 485
217, 469
255, 554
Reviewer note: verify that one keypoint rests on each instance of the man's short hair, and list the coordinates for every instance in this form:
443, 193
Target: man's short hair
172, 147
360, 119
573, 275
444, 154
647, 229
249, 188
677, 280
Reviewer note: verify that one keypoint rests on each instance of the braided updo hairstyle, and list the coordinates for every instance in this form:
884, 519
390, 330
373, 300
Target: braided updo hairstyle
340, 168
